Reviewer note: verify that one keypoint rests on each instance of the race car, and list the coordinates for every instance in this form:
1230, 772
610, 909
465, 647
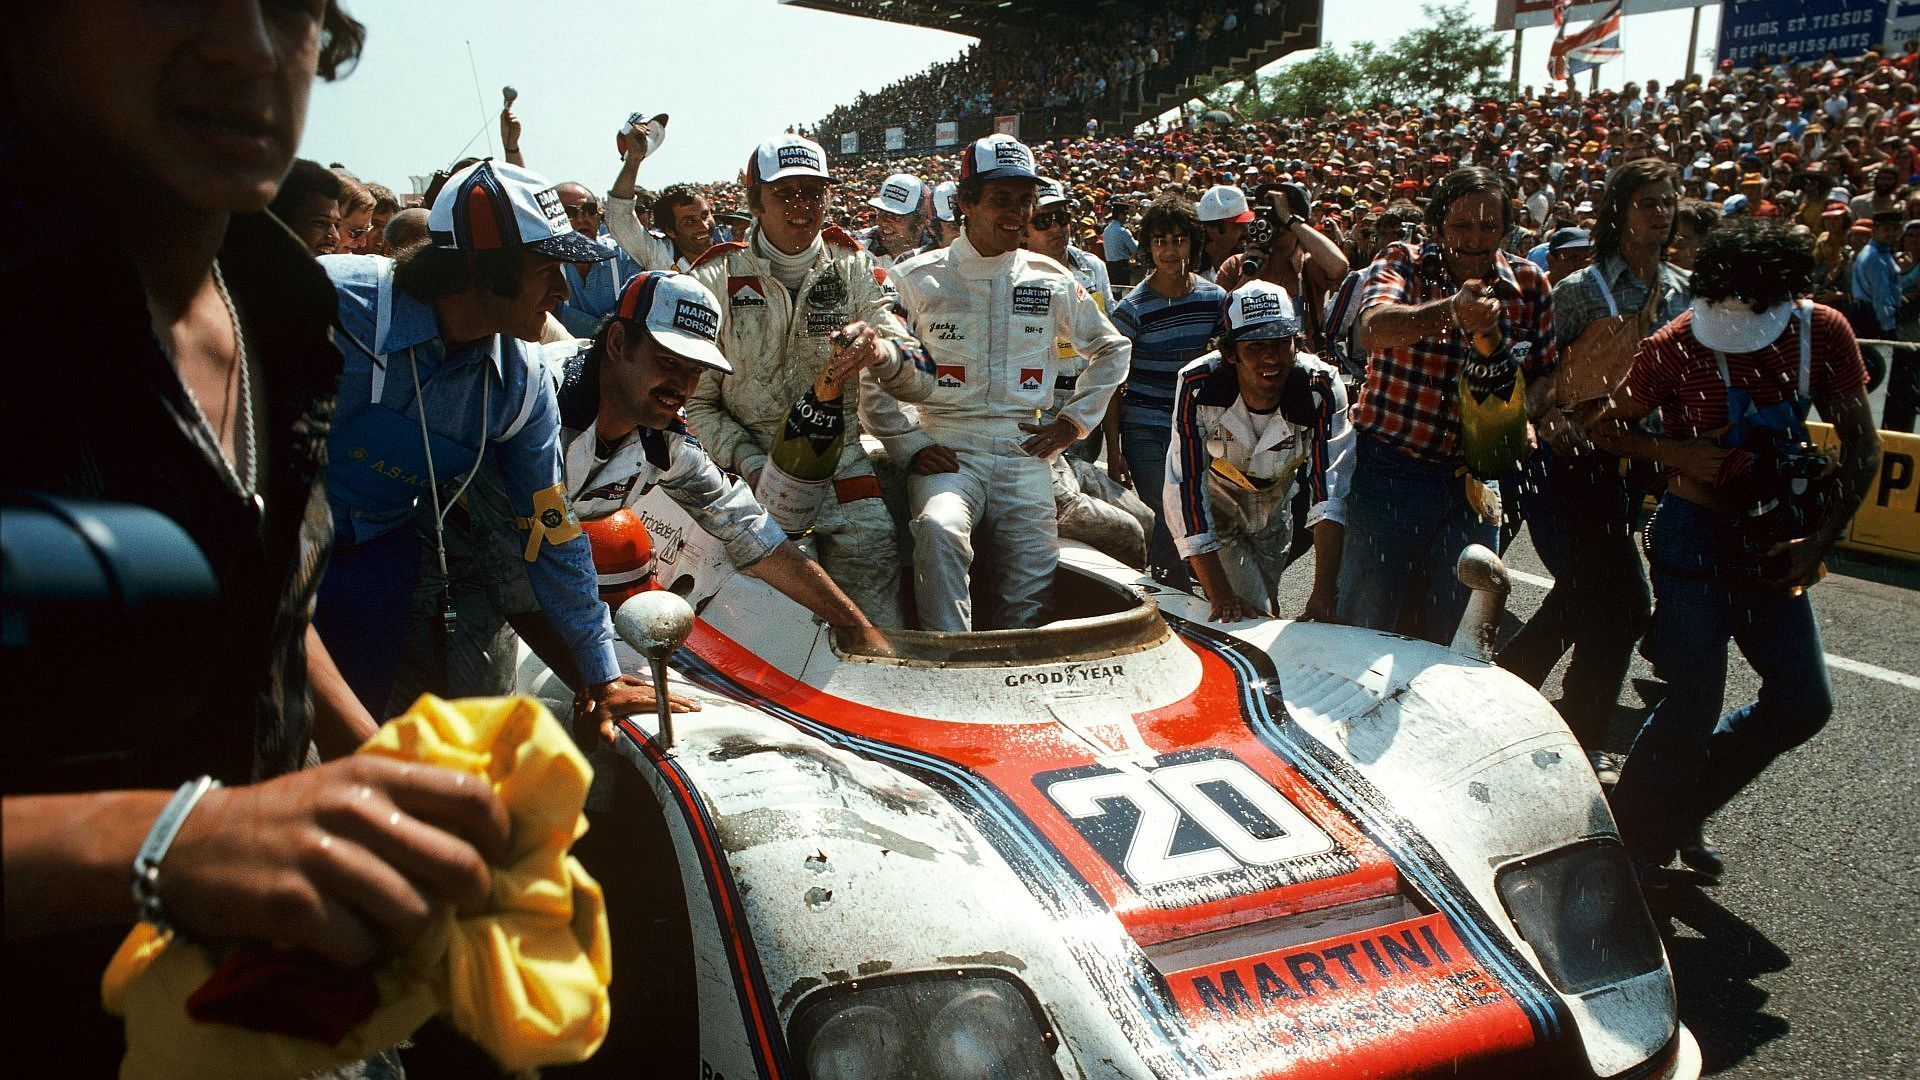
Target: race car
1132, 843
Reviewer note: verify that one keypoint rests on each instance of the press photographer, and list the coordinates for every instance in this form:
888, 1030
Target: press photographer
1752, 507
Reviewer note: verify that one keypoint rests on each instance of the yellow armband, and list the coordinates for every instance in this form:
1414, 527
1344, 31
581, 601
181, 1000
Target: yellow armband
552, 521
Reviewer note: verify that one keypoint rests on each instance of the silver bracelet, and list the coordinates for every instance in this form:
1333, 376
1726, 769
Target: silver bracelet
146, 865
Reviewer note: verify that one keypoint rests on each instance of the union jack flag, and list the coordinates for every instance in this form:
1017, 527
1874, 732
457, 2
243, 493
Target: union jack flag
1581, 52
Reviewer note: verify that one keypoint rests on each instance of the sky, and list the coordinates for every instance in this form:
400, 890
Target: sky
427, 90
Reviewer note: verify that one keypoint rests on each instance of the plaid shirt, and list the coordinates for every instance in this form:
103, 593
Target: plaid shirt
1411, 398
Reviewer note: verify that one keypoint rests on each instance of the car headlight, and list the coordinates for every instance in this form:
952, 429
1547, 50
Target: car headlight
1580, 909
942, 1026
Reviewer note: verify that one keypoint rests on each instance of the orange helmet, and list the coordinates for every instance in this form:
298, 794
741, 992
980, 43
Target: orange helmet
622, 555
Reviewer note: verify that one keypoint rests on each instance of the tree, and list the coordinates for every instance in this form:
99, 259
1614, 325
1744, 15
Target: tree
1325, 82
1452, 59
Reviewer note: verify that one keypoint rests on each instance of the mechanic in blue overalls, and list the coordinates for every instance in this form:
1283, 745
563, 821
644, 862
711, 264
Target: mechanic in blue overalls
440, 371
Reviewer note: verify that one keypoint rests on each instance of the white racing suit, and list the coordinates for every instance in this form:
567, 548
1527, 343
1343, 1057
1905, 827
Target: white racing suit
1092, 508
778, 343
989, 325
1230, 471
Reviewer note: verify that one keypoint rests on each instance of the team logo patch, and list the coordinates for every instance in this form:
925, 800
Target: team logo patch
1031, 378
822, 323
616, 491
800, 157
1032, 300
745, 292
1012, 154
827, 292
896, 193
553, 209
696, 318
1260, 307
949, 375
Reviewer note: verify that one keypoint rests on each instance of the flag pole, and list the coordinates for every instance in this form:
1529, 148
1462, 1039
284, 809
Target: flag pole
1693, 43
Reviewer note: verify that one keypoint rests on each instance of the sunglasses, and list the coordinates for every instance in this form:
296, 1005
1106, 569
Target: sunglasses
583, 208
1052, 220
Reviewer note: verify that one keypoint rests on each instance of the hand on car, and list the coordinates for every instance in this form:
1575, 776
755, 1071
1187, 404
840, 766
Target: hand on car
1231, 608
601, 705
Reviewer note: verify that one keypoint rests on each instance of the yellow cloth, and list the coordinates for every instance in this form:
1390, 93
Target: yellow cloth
527, 979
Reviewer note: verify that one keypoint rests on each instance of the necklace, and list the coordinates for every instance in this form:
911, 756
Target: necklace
245, 482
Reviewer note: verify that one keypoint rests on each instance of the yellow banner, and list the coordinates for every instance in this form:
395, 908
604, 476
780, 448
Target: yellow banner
1888, 522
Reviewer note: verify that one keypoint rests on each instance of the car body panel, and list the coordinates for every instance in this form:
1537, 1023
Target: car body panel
1184, 847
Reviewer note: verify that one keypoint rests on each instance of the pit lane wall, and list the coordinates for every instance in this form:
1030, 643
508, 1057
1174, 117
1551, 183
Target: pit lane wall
1888, 522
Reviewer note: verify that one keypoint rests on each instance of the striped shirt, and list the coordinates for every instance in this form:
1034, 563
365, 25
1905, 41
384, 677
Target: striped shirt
1167, 335
1676, 374
1411, 398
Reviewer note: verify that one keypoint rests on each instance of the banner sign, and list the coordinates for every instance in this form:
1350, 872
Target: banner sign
946, 133
896, 138
1888, 521
1007, 125
850, 142
1799, 30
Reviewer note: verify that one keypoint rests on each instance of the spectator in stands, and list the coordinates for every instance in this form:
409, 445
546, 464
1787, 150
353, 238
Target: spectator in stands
1427, 312
1567, 251
1170, 319
308, 202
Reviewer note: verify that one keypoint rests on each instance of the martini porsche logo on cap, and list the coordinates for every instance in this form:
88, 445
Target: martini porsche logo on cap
1011, 155
696, 318
1260, 307
800, 157
552, 208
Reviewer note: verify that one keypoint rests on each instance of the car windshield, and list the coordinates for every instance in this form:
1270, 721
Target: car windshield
1095, 618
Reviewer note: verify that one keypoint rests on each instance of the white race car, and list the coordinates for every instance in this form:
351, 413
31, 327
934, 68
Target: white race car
1133, 844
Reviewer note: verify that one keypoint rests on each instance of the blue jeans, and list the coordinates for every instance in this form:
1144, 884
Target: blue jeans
1688, 760
1145, 448
1406, 519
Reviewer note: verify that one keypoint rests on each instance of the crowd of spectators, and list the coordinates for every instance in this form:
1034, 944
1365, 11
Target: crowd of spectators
1125, 57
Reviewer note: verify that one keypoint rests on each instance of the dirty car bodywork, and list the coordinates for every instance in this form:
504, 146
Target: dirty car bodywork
1134, 844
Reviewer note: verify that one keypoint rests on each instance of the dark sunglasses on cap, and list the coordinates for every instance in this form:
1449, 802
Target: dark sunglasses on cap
1051, 220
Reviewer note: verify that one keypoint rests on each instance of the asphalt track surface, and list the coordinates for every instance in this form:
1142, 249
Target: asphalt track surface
1803, 962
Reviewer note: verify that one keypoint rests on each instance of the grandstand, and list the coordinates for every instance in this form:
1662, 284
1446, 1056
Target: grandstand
1051, 65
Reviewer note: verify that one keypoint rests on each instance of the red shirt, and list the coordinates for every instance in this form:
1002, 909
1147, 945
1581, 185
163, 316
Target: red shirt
1411, 398
1676, 374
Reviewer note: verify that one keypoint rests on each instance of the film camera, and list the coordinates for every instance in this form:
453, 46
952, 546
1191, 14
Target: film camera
1268, 222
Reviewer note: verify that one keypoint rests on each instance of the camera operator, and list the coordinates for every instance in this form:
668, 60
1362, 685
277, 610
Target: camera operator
1283, 247
201, 388
1742, 528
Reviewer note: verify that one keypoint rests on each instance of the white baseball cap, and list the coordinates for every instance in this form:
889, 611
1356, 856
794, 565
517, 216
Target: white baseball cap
680, 314
943, 196
490, 206
1050, 193
786, 155
1732, 326
998, 157
901, 193
1257, 310
1225, 203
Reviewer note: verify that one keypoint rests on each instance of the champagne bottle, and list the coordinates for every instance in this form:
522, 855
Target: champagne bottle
802, 460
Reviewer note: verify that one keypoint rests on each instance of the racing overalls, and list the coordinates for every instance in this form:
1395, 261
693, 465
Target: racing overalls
1230, 471
990, 326
493, 393
778, 342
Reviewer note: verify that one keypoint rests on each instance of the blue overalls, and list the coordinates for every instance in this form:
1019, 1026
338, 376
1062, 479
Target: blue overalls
384, 462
